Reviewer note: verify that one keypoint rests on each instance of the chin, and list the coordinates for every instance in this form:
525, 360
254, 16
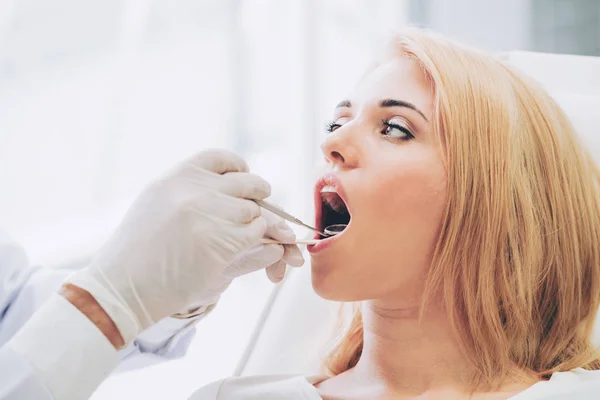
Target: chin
323, 282
330, 282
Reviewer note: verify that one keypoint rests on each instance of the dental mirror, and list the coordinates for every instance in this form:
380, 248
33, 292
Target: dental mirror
333, 230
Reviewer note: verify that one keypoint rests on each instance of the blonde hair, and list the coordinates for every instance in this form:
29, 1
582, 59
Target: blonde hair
518, 256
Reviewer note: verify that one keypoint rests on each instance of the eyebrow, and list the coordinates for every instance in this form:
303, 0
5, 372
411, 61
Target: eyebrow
387, 103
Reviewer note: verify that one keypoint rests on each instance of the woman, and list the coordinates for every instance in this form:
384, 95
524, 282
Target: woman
472, 245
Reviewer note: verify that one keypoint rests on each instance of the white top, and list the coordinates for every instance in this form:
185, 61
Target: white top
578, 384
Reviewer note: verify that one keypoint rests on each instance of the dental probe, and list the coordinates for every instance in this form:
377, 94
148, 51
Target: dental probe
288, 217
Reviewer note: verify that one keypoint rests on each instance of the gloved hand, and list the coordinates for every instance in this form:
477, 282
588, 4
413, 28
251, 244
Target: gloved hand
276, 257
183, 241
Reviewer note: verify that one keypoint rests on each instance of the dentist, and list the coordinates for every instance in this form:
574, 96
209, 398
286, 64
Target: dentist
183, 241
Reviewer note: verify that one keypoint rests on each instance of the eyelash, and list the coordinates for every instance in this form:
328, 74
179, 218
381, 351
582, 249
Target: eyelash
401, 128
331, 126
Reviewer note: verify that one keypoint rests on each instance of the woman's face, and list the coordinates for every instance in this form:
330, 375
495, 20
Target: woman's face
384, 161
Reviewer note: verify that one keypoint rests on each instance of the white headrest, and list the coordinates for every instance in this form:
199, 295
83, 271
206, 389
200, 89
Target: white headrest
294, 336
574, 82
584, 112
560, 73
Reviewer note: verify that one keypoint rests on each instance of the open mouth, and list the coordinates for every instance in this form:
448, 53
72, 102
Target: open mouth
332, 211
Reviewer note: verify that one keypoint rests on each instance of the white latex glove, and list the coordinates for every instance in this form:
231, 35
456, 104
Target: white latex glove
180, 243
273, 257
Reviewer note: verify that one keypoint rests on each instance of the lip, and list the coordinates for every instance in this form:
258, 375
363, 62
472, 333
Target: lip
332, 180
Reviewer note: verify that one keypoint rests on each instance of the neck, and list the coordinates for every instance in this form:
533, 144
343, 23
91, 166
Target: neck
405, 353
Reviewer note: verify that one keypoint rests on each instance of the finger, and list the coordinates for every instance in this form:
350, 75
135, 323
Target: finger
292, 255
277, 228
252, 232
245, 186
281, 232
256, 258
219, 161
238, 211
276, 272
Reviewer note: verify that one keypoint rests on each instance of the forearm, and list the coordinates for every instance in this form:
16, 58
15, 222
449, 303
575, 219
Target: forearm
68, 346
68, 353
168, 339
88, 306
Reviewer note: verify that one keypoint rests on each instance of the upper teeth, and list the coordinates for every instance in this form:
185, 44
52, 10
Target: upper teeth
328, 189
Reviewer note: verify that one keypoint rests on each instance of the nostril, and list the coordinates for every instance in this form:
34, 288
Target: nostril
334, 155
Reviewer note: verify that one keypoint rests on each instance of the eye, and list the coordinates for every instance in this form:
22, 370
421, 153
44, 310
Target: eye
394, 130
331, 126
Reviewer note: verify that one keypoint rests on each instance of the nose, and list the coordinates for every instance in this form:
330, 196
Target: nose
339, 148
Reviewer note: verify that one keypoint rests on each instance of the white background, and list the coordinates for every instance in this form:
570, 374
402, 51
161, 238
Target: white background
97, 98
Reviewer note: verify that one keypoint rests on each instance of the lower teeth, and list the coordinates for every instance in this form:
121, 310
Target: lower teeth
333, 230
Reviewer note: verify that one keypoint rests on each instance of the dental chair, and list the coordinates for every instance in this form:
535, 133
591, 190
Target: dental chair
298, 325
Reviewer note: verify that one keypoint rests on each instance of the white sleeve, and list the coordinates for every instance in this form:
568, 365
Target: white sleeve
60, 349
26, 297
169, 338
18, 380
15, 272
23, 289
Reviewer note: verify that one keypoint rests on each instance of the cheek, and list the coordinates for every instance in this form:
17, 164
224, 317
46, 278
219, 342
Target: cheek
398, 204
403, 207
407, 193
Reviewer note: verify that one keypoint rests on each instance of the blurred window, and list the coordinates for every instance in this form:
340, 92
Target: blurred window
566, 26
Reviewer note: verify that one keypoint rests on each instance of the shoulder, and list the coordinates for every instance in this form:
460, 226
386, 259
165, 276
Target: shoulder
263, 387
577, 384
